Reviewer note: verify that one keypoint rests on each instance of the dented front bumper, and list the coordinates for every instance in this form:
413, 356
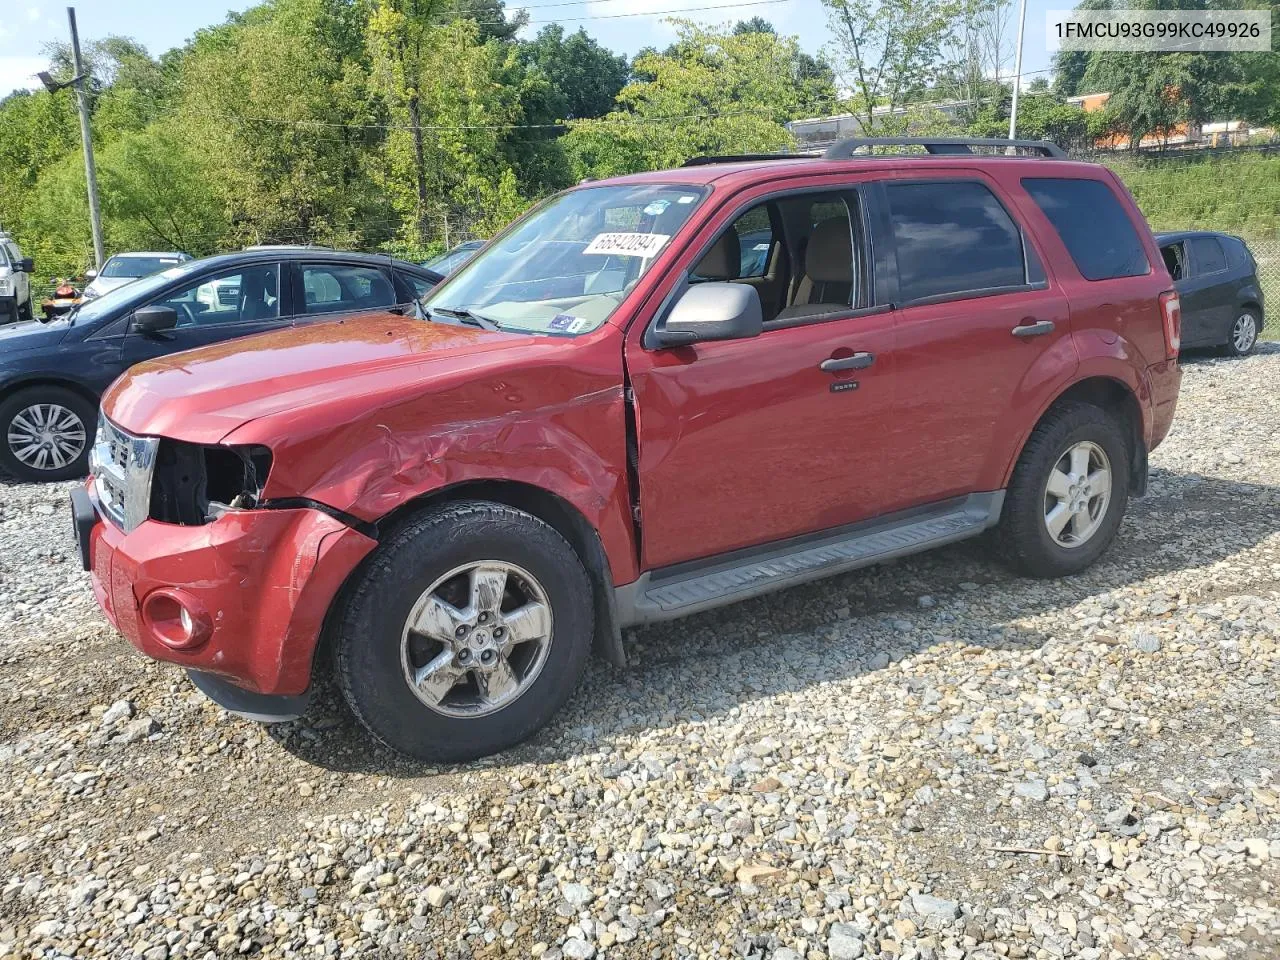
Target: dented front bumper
242, 598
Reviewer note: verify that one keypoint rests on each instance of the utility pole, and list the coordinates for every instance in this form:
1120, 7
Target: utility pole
1017, 71
86, 137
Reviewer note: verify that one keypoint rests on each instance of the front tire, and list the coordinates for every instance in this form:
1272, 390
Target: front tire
466, 633
46, 434
1068, 493
1243, 336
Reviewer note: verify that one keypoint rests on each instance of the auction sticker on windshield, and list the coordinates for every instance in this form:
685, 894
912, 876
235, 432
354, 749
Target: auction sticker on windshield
627, 244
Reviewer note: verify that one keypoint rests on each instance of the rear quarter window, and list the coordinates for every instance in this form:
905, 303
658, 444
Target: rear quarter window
1237, 253
1093, 225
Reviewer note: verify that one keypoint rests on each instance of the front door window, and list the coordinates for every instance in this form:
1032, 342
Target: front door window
244, 295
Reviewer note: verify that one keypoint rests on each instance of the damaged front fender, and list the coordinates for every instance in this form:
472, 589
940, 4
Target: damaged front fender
559, 428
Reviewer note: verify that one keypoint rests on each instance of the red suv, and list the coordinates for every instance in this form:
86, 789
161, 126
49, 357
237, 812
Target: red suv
650, 396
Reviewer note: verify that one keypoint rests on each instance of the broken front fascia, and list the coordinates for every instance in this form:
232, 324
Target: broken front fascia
258, 583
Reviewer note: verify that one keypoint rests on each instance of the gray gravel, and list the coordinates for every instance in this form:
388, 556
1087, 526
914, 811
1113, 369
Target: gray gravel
928, 759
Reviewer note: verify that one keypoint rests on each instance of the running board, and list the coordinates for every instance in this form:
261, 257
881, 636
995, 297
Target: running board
705, 584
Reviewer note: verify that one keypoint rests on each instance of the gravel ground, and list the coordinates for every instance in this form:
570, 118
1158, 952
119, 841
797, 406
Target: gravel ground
926, 759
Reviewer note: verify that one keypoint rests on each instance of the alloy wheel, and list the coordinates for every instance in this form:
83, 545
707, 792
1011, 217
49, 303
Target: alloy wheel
1077, 493
1244, 332
46, 436
476, 639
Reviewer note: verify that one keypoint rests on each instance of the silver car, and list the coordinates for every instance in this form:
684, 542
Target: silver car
126, 267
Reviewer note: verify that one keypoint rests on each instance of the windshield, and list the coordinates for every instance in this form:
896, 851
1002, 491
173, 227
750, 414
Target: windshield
131, 294
137, 266
568, 265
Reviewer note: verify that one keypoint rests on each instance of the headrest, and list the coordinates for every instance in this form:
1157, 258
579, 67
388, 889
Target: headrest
723, 261
829, 255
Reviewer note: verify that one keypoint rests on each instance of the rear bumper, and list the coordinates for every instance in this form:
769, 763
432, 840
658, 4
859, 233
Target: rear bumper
1164, 380
257, 584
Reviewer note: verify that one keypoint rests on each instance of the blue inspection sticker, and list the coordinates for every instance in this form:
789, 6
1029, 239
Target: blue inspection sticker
562, 321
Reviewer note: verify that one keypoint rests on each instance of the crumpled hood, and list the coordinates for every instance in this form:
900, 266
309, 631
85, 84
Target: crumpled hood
32, 335
203, 395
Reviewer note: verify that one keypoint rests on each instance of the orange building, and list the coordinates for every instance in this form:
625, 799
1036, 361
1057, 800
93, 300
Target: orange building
1178, 133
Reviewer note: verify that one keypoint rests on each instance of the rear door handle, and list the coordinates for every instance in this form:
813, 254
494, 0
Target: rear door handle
858, 361
1037, 329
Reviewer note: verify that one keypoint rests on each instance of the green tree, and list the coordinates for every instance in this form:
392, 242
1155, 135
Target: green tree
286, 123
714, 92
1042, 115
456, 102
36, 130
754, 25
584, 76
1153, 92
889, 52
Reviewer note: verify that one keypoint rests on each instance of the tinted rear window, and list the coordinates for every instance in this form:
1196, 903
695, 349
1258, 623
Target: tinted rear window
1093, 226
952, 237
1237, 253
1206, 253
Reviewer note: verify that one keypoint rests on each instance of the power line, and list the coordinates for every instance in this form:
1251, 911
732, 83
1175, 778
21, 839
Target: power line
650, 13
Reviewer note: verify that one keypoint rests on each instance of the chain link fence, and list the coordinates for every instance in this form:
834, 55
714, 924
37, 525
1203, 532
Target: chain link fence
1266, 251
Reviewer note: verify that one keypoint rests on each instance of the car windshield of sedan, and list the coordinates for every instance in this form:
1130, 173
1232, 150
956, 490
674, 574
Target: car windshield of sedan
134, 267
132, 294
569, 263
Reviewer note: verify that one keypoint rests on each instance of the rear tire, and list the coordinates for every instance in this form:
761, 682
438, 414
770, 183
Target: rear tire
41, 416
1243, 335
1056, 520
466, 633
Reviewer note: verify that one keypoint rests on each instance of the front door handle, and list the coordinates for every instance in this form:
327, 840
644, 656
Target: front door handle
1037, 329
859, 361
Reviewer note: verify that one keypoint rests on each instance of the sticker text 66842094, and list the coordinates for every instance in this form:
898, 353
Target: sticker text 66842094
627, 244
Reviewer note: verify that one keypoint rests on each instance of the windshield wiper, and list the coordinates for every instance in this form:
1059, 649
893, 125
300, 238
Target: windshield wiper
468, 316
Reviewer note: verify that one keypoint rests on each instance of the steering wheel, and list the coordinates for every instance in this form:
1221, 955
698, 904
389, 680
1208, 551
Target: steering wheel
185, 308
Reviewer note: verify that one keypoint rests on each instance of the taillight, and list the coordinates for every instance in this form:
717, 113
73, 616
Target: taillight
1171, 313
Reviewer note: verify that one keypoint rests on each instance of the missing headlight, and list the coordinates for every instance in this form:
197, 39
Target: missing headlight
195, 484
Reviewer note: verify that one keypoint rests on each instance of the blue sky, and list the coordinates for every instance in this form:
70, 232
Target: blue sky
27, 25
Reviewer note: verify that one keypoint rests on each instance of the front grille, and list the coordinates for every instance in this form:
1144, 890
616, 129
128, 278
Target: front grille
122, 465
228, 296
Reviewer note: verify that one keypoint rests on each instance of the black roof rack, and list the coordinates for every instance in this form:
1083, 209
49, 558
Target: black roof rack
845, 149
746, 157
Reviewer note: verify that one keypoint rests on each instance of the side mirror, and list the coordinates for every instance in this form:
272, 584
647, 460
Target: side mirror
712, 311
91, 274
27, 265
154, 319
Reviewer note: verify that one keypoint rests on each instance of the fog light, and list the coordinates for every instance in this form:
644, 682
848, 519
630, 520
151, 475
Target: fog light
176, 619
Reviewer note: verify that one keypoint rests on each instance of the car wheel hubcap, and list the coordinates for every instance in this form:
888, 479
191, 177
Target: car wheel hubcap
1244, 332
477, 639
1077, 494
46, 436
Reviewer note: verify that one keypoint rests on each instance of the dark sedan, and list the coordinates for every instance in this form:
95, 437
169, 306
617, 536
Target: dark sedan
1217, 282
52, 374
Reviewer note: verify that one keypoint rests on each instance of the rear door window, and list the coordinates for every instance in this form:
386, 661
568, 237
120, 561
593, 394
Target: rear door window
339, 288
1207, 256
952, 237
1093, 225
